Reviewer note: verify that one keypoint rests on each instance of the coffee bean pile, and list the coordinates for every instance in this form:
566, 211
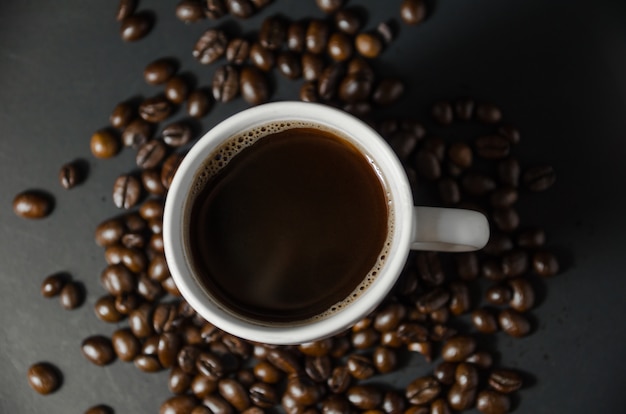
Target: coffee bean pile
433, 310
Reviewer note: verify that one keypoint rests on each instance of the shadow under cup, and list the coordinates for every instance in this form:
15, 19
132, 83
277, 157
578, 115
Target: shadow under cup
286, 225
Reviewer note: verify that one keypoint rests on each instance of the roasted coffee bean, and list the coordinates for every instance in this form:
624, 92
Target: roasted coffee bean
164, 318
359, 109
385, 360
433, 300
177, 89
539, 177
267, 372
179, 381
99, 409
199, 103
388, 91
329, 6
136, 133
514, 263
429, 268
125, 8
464, 109
410, 332
386, 31
71, 296
155, 109
125, 344
208, 364
436, 145
187, 361
484, 321
254, 86
505, 381
460, 154
261, 57
348, 20
178, 404
263, 395
393, 402
442, 113
339, 47
189, 11
225, 84
466, 375
488, 113
177, 134
492, 402
340, 380
335, 404
440, 406
151, 181
481, 359
135, 26
329, 81
514, 323
458, 348
273, 32
167, 349
156, 243
296, 36
365, 397
139, 321
127, 302
70, 175
422, 390
33, 204
159, 71
151, 209
545, 264
150, 154
156, 225
169, 168
355, 87
302, 390
98, 350
126, 191
413, 12
341, 345
427, 164
389, 317
531, 238
318, 368
316, 38
445, 373
503, 197
369, 44
202, 386
237, 51
147, 363
440, 315
509, 172
214, 9
461, 398
491, 269
290, 406
105, 309
44, 378
118, 279
498, 244
240, 8
134, 222
492, 147
52, 285
499, 294
121, 116
360, 366
288, 64
132, 240
217, 404
459, 298
476, 183
506, 219
509, 132
210, 46
365, 338
402, 142
233, 392
523, 294
158, 269
467, 267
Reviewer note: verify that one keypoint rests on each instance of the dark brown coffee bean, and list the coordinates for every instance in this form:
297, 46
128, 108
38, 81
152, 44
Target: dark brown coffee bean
284, 360
492, 402
335, 404
263, 395
165, 318
189, 11
273, 32
208, 364
445, 373
139, 321
267, 372
177, 89
214, 9
136, 133
316, 37
329, 81
402, 142
127, 302
410, 332
296, 36
225, 84
531, 238
187, 361
461, 399
488, 113
318, 368
177, 134
385, 360
341, 346
441, 315
98, 350
329, 6
545, 264
523, 295
492, 147
539, 177
505, 381
44, 378
52, 285
71, 296
99, 409
498, 244
348, 20
70, 175
388, 91
155, 109
240, 8
358, 109
261, 57
506, 219
365, 397
509, 172
464, 109
422, 390
237, 51
210, 46
158, 269
135, 26
105, 309
369, 44
491, 269
360, 366
467, 267
503, 197
427, 165
413, 12
125, 344
117, 279
460, 154
514, 263
484, 321
429, 268
233, 392
147, 363
458, 348
202, 386
509, 132
433, 300
168, 348
288, 64
481, 359
302, 390
125, 8
442, 113
169, 168
389, 317
33, 204
159, 71
498, 294
151, 181
476, 183
355, 87
255, 88
339, 47
466, 375
151, 209
134, 222
179, 381
121, 116
459, 298
199, 103
339, 380
150, 154
514, 323
178, 404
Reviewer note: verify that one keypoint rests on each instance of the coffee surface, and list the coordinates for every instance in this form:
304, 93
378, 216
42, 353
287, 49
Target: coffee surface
290, 226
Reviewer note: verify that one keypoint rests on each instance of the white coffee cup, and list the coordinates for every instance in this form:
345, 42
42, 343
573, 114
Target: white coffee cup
415, 228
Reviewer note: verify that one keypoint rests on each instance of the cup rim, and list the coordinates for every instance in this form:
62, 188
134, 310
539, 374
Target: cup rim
368, 140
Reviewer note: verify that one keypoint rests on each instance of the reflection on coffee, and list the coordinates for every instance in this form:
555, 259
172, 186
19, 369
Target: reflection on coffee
288, 222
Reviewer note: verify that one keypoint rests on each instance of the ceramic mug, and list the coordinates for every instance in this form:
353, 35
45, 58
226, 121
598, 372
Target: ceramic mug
414, 228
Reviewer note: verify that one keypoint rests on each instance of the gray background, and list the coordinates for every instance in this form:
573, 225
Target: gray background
557, 68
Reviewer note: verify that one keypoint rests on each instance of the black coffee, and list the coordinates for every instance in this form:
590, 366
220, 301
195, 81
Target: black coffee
288, 226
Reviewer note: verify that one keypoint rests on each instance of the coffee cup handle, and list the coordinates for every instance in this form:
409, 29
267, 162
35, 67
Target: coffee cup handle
449, 229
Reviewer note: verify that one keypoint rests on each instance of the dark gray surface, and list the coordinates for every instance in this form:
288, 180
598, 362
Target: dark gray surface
557, 68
